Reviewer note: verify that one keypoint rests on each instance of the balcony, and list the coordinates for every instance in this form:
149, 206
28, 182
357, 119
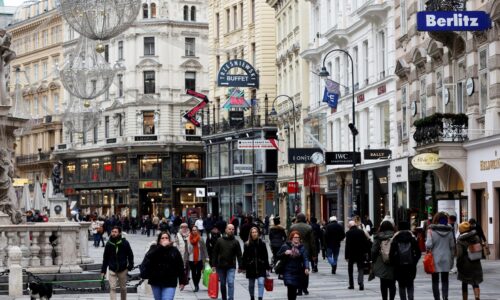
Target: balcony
33, 158
248, 123
441, 128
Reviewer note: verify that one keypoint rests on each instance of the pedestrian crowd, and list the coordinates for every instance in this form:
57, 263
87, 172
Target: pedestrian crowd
208, 248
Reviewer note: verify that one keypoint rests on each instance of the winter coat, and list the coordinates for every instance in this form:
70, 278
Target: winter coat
226, 251
307, 237
211, 245
380, 268
245, 231
356, 245
167, 267
318, 238
470, 272
334, 235
404, 273
294, 271
181, 243
255, 259
117, 255
202, 250
277, 236
441, 242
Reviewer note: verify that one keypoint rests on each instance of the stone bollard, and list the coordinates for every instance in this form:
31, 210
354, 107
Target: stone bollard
15, 272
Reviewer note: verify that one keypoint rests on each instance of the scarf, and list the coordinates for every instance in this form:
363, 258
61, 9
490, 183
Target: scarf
194, 239
295, 250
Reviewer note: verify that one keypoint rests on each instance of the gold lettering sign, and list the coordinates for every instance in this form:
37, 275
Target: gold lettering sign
427, 161
486, 165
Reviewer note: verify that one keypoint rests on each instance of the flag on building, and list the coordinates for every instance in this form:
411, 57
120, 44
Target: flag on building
332, 93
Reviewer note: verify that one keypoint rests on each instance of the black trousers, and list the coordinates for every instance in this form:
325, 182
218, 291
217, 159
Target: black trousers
291, 292
196, 270
388, 285
406, 290
350, 267
444, 285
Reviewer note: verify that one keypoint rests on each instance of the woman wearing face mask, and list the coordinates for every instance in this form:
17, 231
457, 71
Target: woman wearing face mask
295, 258
166, 268
197, 252
255, 262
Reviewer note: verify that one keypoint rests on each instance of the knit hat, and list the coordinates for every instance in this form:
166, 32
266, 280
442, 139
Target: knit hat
464, 227
403, 225
389, 219
333, 218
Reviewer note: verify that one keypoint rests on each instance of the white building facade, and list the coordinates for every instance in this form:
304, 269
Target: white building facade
143, 157
365, 29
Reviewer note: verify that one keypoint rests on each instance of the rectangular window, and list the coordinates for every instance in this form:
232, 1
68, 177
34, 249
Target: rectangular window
106, 127
191, 166
336, 74
106, 53
56, 66
84, 170
356, 65
108, 169
217, 25
148, 124
120, 50
365, 62
423, 98
241, 15
404, 24
121, 167
190, 81
385, 124
149, 82
235, 17
439, 91
120, 85
95, 170
254, 54
382, 54
56, 103
150, 167
69, 172
253, 10
96, 134
404, 111
44, 70
35, 71
190, 46
120, 125
149, 46
483, 80
189, 129
35, 105
35, 40
45, 105
45, 38
228, 20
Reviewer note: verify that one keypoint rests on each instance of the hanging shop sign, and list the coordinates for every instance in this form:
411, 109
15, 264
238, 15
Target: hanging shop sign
235, 99
453, 21
341, 158
377, 153
236, 119
191, 114
249, 79
293, 187
469, 86
302, 155
200, 192
427, 161
255, 144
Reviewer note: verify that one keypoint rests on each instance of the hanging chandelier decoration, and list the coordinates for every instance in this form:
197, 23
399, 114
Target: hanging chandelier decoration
81, 115
87, 74
100, 19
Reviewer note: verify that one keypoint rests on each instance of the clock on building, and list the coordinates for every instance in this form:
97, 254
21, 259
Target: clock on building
317, 158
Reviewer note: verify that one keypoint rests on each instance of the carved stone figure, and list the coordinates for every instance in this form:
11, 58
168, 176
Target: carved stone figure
6, 56
56, 178
8, 200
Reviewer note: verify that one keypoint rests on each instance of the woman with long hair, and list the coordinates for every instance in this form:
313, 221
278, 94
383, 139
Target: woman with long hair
166, 268
296, 263
198, 255
441, 243
382, 267
255, 262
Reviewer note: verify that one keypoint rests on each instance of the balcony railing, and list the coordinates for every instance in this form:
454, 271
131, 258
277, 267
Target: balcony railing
248, 123
33, 158
441, 128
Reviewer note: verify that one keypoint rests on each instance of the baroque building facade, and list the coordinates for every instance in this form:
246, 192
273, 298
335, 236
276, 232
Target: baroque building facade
240, 181
142, 157
448, 104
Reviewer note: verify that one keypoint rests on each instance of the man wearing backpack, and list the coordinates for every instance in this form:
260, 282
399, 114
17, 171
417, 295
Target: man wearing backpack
404, 256
382, 267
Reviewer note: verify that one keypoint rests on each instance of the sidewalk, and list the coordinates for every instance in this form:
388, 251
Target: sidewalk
322, 285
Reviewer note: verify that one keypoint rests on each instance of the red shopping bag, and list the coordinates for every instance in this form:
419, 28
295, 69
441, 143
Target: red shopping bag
429, 263
213, 286
269, 284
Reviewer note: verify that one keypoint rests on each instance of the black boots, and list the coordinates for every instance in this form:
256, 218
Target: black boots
334, 269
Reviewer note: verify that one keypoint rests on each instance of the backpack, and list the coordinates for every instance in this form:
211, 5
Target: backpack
385, 249
405, 253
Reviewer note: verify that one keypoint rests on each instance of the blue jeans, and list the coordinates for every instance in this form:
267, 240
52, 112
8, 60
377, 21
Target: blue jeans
163, 293
251, 286
332, 255
226, 276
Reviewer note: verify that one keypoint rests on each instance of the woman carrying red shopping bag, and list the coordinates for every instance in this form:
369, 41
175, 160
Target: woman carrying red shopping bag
255, 262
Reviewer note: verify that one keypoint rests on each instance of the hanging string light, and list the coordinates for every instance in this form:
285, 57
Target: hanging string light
81, 115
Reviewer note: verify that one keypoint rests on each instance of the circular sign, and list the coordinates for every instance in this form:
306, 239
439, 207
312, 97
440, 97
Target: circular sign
57, 209
317, 158
413, 108
427, 161
469, 86
446, 96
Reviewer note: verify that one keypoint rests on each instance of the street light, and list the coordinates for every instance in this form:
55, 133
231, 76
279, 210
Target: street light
352, 126
274, 113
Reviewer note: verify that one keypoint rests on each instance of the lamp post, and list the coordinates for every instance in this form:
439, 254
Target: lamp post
352, 126
274, 113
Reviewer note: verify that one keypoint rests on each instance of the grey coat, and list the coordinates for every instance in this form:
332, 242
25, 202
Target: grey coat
441, 242
381, 269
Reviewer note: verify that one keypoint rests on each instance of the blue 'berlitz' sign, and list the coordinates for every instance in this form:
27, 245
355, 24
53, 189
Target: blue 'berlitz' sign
453, 21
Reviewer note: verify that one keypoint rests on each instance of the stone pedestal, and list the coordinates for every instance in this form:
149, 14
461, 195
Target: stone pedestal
58, 206
5, 219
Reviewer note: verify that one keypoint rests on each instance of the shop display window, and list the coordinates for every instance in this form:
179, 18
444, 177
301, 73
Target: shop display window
150, 167
108, 169
84, 170
191, 166
148, 122
95, 170
121, 168
70, 172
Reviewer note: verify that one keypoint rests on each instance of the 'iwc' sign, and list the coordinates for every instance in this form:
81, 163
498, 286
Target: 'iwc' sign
427, 161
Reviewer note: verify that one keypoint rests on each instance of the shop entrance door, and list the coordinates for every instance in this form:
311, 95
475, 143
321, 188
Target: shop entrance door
481, 210
148, 201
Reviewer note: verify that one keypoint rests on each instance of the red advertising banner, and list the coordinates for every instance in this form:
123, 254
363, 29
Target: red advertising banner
293, 187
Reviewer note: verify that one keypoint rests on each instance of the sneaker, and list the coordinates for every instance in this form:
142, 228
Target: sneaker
361, 287
306, 292
350, 287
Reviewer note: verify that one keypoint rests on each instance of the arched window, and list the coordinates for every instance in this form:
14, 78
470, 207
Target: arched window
153, 10
145, 11
193, 13
186, 13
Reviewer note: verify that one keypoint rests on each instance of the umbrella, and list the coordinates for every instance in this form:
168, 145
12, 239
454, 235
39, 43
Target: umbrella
25, 198
49, 193
38, 197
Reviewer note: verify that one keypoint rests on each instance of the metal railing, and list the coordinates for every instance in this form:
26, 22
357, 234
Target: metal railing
248, 123
441, 128
33, 158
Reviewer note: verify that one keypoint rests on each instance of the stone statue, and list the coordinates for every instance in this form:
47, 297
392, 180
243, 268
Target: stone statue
56, 177
8, 200
6, 56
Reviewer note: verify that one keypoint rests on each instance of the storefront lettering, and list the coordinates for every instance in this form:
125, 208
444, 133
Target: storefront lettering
489, 164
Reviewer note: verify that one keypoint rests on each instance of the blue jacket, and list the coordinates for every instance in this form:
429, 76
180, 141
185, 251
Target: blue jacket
293, 274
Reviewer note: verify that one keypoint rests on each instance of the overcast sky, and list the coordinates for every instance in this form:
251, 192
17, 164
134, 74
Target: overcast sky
13, 2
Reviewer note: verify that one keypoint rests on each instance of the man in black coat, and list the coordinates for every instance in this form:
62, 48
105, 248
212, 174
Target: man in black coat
356, 249
118, 256
334, 235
